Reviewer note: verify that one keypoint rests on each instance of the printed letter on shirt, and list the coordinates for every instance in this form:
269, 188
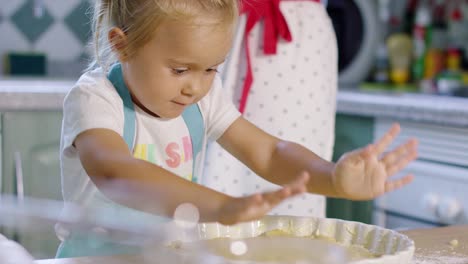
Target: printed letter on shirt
172, 153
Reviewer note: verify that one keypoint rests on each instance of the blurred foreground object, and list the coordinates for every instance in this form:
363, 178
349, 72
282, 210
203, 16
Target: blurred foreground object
13, 253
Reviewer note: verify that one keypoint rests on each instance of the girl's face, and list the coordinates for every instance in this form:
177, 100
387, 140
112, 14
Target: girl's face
176, 68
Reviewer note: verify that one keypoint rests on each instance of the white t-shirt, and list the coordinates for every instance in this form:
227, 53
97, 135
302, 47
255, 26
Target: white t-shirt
94, 103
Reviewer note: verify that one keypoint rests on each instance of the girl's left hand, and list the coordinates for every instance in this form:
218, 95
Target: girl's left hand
363, 174
242, 209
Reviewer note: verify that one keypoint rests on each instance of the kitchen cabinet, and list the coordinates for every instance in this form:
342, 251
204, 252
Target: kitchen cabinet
31, 167
351, 132
437, 196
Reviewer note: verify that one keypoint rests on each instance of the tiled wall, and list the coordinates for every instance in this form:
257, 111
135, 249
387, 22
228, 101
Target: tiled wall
58, 28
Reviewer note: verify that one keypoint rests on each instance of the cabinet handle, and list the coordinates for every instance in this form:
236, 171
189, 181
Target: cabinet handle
19, 176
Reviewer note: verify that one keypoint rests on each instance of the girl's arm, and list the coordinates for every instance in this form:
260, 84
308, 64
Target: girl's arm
145, 186
360, 175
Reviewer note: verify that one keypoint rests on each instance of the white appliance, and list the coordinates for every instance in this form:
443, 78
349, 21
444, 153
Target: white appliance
358, 32
439, 194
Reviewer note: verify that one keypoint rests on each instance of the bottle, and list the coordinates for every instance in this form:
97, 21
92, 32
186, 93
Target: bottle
399, 50
408, 18
450, 80
381, 68
435, 56
421, 39
381, 65
456, 29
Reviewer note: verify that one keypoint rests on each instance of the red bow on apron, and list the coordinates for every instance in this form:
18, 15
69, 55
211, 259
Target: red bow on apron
275, 26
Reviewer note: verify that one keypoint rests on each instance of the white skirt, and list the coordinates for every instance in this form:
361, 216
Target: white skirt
293, 97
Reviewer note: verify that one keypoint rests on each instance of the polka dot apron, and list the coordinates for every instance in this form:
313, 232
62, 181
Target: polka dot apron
292, 96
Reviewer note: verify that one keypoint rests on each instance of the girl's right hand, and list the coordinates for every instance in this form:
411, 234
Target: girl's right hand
242, 209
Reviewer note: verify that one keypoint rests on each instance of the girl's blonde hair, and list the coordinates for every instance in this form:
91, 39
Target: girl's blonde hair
139, 19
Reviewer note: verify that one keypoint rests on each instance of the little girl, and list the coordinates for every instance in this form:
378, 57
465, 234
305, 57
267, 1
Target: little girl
136, 125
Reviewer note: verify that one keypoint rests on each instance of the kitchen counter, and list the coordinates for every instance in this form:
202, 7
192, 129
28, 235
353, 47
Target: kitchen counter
33, 94
436, 109
432, 247
46, 94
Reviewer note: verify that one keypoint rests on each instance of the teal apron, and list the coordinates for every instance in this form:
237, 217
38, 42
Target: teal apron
88, 244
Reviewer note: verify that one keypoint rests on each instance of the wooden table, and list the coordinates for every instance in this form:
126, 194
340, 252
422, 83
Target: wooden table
432, 247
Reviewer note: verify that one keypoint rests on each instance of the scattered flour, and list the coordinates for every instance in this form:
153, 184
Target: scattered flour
440, 257
440, 260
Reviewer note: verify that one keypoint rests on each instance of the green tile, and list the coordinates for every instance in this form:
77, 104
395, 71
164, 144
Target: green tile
79, 21
32, 27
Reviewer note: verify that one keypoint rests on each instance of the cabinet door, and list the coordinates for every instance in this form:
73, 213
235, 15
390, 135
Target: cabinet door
351, 132
31, 142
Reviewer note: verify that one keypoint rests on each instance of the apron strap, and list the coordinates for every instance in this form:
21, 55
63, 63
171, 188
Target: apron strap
116, 77
194, 121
